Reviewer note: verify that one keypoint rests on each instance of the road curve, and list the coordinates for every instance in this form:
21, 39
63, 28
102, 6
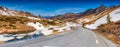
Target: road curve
80, 37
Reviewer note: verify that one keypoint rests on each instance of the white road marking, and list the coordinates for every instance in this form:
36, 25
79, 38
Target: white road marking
97, 41
50, 46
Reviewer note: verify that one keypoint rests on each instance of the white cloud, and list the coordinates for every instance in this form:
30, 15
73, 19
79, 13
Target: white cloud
62, 11
68, 10
56, 12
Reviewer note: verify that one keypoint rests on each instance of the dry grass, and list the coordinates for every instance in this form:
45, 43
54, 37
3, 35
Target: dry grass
56, 32
110, 31
46, 22
14, 24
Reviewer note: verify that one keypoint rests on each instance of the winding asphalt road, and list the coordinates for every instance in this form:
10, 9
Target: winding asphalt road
80, 37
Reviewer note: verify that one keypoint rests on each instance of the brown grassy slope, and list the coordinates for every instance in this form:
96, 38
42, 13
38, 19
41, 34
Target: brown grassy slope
9, 24
16, 24
110, 31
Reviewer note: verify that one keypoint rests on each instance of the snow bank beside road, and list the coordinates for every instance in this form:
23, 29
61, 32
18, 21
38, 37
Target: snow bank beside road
41, 29
3, 38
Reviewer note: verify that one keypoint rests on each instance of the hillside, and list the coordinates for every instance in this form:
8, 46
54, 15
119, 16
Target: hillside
20, 25
67, 17
8, 12
91, 19
110, 31
105, 23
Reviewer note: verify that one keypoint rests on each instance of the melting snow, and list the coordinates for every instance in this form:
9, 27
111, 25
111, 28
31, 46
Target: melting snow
2, 38
36, 25
3, 12
47, 32
97, 23
115, 16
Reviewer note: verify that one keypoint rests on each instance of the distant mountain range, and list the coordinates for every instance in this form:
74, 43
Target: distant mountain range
73, 16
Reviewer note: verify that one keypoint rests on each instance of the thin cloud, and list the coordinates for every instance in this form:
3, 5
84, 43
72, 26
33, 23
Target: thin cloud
62, 11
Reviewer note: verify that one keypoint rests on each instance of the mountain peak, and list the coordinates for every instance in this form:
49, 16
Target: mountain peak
103, 6
7, 12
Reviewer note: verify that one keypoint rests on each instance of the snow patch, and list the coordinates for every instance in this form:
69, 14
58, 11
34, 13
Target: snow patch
36, 25
3, 38
115, 15
3, 12
97, 23
47, 32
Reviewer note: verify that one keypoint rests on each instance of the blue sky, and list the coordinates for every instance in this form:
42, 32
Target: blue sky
55, 7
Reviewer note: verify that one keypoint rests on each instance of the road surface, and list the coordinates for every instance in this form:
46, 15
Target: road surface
80, 37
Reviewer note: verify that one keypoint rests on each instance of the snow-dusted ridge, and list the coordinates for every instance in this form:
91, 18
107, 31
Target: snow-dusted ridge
7, 12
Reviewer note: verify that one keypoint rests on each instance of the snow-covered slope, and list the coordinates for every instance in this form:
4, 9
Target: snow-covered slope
114, 17
39, 29
100, 21
7, 12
